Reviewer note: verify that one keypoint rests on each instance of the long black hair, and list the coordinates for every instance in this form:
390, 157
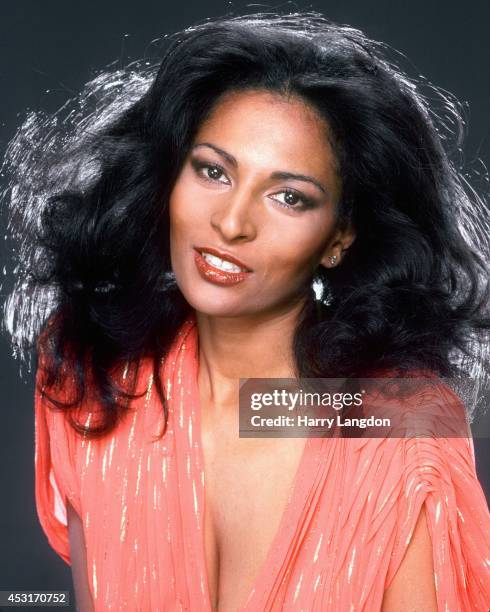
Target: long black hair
89, 208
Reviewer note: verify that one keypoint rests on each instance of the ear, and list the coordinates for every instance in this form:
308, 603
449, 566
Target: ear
338, 246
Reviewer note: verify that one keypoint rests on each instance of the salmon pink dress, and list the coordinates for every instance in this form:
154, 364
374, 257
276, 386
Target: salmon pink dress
351, 512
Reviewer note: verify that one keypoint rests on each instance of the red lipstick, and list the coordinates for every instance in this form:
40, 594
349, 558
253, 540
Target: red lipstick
215, 275
223, 255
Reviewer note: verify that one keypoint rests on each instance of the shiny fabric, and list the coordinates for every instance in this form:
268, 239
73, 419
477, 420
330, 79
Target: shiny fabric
352, 509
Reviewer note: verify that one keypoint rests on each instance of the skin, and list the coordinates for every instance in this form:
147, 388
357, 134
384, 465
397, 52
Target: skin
78, 556
240, 207
412, 588
243, 211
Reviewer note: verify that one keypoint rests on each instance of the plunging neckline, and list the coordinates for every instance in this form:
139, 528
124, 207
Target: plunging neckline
291, 514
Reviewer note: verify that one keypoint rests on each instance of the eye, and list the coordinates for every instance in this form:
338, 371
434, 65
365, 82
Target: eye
291, 199
213, 173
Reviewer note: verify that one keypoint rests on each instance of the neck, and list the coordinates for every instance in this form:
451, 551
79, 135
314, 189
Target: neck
230, 348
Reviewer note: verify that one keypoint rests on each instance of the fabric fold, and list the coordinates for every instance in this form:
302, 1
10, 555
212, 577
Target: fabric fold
351, 516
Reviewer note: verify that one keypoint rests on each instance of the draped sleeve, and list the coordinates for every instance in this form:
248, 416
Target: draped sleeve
440, 473
56, 478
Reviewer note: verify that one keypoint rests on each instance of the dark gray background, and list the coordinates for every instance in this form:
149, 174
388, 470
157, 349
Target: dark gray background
49, 49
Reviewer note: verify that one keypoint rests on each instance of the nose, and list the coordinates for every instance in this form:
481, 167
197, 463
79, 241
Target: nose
233, 217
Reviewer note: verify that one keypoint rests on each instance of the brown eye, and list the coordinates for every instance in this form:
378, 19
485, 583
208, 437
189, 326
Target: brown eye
213, 173
291, 199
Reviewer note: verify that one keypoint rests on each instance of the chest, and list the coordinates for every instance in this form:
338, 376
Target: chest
247, 486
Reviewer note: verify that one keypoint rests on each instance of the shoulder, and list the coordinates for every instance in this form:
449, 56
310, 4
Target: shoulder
413, 586
418, 403
438, 475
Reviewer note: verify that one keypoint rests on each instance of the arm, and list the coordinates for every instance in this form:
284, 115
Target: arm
413, 589
78, 561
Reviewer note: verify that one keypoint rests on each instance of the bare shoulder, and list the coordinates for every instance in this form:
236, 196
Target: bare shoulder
78, 556
413, 586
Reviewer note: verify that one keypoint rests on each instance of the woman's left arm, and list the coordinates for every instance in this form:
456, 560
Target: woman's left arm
413, 587
78, 555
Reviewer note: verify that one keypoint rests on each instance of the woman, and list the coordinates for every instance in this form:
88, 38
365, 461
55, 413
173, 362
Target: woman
181, 238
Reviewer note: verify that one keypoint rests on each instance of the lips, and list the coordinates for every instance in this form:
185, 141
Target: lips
223, 255
216, 275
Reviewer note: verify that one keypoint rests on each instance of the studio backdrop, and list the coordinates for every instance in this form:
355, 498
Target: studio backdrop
51, 49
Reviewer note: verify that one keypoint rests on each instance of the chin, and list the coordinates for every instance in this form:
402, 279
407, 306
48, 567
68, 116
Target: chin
210, 302
215, 309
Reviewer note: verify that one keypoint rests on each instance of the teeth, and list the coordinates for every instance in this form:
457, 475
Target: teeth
222, 264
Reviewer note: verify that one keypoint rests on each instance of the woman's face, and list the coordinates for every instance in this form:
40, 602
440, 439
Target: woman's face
259, 184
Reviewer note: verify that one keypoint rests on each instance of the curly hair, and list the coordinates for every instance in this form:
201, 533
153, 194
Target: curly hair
89, 196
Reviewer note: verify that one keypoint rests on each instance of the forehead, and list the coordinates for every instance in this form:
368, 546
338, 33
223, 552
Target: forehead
261, 126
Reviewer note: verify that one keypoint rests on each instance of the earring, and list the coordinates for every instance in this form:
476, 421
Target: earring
333, 259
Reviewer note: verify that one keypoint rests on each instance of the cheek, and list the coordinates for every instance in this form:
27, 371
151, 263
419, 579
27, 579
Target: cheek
178, 213
178, 225
301, 251
186, 206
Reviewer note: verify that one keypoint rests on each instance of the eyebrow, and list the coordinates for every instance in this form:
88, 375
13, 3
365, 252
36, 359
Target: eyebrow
275, 175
